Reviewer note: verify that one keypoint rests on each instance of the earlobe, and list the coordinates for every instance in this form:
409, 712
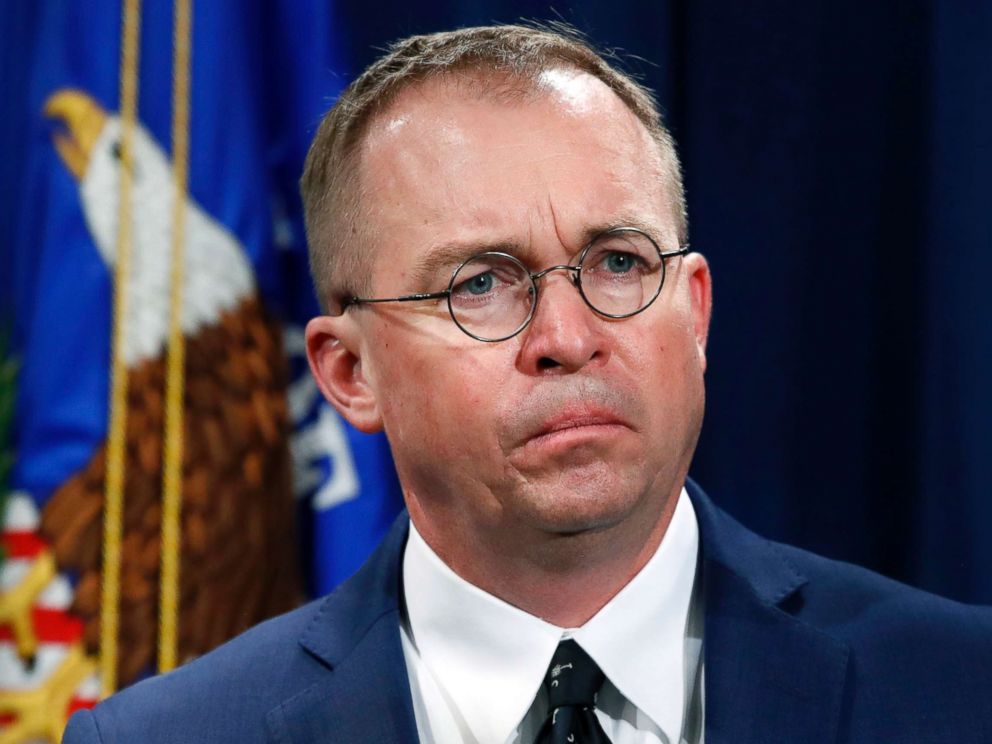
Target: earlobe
335, 361
701, 297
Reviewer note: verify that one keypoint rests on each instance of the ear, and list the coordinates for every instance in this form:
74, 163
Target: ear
701, 299
334, 353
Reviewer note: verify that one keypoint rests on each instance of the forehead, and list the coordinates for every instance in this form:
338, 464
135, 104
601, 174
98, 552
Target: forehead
448, 162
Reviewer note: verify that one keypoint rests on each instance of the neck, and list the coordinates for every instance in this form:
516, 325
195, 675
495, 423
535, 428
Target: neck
564, 579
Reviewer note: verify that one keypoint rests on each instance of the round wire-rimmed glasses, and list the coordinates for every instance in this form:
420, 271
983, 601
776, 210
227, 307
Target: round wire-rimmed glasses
492, 296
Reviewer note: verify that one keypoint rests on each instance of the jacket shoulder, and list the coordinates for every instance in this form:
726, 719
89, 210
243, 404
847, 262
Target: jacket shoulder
908, 665
855, 603
913, 656
849, 603
219, 697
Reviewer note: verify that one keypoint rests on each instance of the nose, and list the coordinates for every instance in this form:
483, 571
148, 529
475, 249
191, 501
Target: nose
565, 334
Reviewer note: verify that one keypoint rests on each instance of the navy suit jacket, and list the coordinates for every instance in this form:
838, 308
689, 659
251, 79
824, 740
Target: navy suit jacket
798, 649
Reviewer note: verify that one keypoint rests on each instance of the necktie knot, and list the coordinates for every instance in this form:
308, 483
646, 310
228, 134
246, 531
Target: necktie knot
573, 678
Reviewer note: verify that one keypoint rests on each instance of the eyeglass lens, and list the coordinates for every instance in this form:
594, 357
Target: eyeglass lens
492, 295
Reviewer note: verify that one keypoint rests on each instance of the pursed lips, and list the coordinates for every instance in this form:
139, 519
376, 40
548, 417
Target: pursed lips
556, 407
567, 420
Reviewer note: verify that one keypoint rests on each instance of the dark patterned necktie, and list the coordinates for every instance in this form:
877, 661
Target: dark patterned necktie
572, 682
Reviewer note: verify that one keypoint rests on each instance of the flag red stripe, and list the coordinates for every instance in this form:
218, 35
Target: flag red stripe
22, 544
78, 703
50, 626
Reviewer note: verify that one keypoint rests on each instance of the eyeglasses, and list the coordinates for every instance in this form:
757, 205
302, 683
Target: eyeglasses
492, 296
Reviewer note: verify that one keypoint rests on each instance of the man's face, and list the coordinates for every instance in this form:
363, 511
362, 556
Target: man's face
577, 423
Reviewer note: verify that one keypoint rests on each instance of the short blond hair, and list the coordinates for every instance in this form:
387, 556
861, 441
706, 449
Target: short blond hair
512, 53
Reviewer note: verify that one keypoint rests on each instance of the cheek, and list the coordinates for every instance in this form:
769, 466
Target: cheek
466, 397
669, 364
440, 401
405, 393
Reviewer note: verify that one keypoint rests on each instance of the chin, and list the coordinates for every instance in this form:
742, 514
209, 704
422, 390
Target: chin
582, 502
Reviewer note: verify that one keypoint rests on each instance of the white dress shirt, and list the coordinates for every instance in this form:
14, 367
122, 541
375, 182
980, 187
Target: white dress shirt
476, 664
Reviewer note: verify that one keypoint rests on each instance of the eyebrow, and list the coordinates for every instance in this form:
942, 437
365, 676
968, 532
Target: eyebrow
449, 255
625, 219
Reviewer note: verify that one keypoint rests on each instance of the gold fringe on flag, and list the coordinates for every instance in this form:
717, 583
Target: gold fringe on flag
116, 438
172, 470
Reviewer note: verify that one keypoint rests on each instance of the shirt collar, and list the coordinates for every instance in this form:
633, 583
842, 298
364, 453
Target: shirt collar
491, 657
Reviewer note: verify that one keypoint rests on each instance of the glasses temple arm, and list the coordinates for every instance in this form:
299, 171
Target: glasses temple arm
405, 298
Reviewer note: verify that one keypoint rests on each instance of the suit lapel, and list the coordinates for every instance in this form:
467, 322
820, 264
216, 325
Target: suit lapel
365, 698
364, 694
769, 675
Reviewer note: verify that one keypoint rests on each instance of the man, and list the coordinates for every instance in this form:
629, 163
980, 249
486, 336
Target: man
498, 233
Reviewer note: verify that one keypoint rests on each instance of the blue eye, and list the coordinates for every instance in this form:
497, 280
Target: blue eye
480, 284
619, 263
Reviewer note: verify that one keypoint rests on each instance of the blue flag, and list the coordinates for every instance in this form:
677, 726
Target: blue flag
261, 76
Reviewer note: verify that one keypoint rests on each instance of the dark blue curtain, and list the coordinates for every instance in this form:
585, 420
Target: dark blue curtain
838, 160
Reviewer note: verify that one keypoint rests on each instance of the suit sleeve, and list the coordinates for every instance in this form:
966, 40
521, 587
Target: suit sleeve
82, 729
